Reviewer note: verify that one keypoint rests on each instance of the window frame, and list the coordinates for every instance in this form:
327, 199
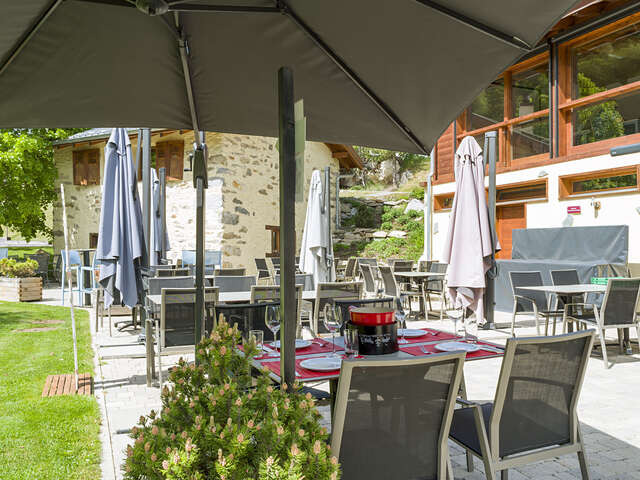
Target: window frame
80, 158
565, 182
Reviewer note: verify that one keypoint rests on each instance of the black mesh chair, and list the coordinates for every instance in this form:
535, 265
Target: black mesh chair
230, 272
424, 265
43, 265
401, 265
247, 316
350, 270
342, 306
154, 286
262, 269
164, 272
563, 277
618, 311
533, 416
234, 283
435, 286
531, 301
392, 417
391, 288
270, 293
175, 329
327, 292
371, 290
182, 272
304, 279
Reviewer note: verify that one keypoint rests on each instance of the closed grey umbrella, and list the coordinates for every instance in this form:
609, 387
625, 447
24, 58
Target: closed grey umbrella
121, 248
157, 227
469, 247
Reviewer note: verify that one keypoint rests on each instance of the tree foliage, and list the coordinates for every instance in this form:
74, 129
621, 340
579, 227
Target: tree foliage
27, 178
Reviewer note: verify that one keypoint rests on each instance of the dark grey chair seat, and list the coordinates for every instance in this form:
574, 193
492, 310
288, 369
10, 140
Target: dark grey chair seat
463, 428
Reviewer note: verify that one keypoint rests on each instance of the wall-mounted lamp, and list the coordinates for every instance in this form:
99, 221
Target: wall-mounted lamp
596, 206
568, 221
638, 209
542, 173
190, 163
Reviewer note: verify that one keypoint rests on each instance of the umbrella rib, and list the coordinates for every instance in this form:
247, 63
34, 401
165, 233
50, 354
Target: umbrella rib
184, 7
29, 35
476, 25
342, 65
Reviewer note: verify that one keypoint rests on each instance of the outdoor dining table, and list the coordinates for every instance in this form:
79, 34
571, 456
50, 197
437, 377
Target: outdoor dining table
566, 292
419, 275
233, 297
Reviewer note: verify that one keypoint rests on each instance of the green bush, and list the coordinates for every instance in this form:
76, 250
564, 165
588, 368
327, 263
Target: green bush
217, 422
11, 268
391, 213
386, 226
417, 192
363, 218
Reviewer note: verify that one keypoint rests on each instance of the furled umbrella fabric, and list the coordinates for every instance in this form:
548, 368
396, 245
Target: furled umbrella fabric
121, 248
157, 227
469, 246
316, 251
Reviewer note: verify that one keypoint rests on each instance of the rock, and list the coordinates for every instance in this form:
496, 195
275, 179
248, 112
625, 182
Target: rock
379, 234
230, 218
405, 177
388, 170
353, 211
414, 205
242, 210
397, 234
395, 203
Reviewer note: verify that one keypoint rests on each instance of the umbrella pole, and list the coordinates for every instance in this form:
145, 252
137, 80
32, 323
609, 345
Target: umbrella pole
68, 274
200, 183
491, 151
163, 212
288, 301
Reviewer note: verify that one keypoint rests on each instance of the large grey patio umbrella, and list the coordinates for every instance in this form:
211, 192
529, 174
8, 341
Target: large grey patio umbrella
390, 74
157, 227
121, 247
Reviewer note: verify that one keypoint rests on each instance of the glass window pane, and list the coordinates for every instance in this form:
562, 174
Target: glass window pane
538, 190
607, 183
530, 138
607, 62
487, 108
530, 91
608, 119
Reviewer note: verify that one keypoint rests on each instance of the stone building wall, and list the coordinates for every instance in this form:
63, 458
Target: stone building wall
242, 198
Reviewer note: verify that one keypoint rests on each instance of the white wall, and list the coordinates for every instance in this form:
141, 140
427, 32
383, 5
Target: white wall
616, 209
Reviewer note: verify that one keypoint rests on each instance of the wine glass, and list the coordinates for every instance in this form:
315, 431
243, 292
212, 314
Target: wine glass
401, 316
471, 329
455, 315
332, 322
272, 320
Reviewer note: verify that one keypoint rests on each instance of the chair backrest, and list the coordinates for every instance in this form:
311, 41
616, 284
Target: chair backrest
342, 307
182, 272
369, 282
273, 268
230, 272
392, 418
438, 267
177, 311
270, 293
247, 316
538, 390
304, 279
4, 252
261, 267
211, 257
164, 272
389, 282
565, 277
327, 292
275, 261
163, 267
350, 269
43, 261
234, 283
74, 258
527, 279
367, 261
424, 265
188, 257
620, 302
156, 284
402, 265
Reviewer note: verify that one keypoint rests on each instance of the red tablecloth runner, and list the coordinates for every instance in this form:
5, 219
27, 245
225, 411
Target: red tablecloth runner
416, 351
438, 335
274, 366
318, 345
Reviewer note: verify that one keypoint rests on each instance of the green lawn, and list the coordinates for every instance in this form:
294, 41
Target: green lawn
44, 438
22, 251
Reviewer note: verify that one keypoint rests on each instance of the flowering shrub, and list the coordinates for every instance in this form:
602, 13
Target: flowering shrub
219, 422
9, 267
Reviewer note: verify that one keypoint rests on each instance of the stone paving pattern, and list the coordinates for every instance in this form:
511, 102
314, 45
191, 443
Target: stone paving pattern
607, 408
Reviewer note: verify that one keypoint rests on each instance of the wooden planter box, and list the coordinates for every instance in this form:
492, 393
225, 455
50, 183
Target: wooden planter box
20, 289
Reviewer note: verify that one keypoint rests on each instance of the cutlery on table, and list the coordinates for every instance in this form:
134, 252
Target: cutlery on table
424, 350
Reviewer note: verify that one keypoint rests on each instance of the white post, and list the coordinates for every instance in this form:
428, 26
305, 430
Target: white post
68, 273
428, 212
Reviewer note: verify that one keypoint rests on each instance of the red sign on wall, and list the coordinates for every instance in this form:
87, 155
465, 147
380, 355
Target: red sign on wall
574, 210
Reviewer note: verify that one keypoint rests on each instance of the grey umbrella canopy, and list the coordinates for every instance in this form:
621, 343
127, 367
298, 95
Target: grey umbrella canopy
382, 73
121, 248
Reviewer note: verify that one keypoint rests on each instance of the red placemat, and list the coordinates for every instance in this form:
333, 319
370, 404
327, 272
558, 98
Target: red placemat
431, 348
274, 366
438, 335
318, 345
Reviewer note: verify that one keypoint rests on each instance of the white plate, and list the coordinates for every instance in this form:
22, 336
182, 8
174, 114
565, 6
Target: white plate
322, 364
299, 344
411, 332
456, 347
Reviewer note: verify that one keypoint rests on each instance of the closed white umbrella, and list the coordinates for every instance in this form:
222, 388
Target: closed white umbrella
469, 247
316, 251
157, 228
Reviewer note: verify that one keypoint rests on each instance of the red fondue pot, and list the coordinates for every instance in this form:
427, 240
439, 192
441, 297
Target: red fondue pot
372, 316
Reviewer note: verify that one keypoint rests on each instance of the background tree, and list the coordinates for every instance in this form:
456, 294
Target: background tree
27, 178
405, 161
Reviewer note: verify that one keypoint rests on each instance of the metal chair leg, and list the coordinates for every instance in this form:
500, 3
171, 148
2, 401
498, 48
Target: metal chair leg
504, 474
603, 345
513, 320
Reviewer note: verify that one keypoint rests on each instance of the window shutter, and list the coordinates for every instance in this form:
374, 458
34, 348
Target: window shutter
77, 168
93, 167
162, 154
176, 159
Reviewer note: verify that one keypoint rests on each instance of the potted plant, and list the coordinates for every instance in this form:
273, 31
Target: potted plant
219, 422
18, 280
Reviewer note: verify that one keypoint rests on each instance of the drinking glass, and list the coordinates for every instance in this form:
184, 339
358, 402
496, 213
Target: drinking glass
272, 320
257, 337
401, 316
455, 315
350, 342
332, 322
471, 329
